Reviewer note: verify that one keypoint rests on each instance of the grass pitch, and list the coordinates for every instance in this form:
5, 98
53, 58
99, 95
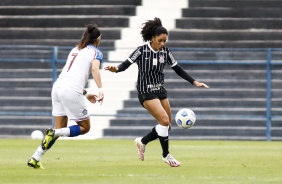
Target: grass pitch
116, 162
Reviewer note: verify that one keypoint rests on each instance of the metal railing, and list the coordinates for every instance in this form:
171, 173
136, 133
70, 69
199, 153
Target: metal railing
239, 56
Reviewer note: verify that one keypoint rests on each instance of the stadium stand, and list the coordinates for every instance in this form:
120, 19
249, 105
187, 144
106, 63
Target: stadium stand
25, 98
229, 23
235, 106
229, 110
61, 22
25, 86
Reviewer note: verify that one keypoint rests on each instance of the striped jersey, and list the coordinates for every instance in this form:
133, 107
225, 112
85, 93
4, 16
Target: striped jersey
151, 64
75, 74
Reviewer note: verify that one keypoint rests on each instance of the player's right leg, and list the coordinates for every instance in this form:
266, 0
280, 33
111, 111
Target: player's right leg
141, 142
140, 147
65, 107
73, 106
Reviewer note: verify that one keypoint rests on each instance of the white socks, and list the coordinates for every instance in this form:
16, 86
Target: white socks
65, 132
162, 130
38, 153
58, 132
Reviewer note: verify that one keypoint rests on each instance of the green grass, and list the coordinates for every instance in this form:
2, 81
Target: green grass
116, 162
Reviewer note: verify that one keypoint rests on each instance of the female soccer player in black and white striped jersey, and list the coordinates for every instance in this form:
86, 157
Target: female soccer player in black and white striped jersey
151, 59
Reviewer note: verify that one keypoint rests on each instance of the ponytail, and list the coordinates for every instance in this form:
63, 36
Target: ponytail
91, 34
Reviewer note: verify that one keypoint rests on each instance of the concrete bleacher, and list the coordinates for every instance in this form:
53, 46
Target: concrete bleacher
193, 23
62, 22
25, 98
223, 111
234, 108
230, 23
26, 86
131, 37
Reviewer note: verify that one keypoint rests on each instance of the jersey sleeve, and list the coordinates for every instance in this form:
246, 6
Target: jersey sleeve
170, 58
98, 55
135, 56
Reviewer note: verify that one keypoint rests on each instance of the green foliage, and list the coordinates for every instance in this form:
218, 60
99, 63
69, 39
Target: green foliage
116, 162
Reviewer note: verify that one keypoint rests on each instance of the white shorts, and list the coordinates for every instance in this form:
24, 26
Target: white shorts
68, 103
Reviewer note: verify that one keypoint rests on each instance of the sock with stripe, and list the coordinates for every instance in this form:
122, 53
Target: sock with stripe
71, 131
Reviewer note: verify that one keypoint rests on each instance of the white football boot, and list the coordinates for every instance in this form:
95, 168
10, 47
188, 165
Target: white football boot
140, 147
171, 161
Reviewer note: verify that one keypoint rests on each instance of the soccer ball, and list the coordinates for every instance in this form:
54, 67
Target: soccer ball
185, 118
36, 134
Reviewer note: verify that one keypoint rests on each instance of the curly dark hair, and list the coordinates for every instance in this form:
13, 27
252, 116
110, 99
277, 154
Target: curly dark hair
90, 35
152, 28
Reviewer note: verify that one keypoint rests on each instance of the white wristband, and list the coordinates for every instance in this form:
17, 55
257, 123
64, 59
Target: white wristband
86, 94
101, 90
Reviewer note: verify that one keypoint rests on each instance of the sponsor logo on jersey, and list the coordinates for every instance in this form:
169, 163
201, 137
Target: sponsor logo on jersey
135, 55
171, 57
154, 87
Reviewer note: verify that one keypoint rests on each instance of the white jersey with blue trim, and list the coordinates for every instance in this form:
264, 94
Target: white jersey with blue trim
75, 74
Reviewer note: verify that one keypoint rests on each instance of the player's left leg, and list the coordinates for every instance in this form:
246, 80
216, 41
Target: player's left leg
160, 109
50, 139
169, 159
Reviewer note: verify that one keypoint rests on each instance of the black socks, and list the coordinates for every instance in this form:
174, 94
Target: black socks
150, 136
164, 144
153, 135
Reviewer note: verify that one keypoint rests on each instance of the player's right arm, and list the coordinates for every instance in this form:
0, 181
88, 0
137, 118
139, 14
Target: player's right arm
121, 67
133, 57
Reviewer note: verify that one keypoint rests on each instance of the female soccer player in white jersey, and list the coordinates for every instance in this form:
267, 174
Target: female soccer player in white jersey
151, 59
68, 92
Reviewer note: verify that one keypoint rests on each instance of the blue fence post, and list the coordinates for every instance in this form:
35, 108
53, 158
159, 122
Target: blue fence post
268, 93
54, 71
54, 64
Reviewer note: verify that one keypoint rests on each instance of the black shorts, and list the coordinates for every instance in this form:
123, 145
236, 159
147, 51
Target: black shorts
150, 96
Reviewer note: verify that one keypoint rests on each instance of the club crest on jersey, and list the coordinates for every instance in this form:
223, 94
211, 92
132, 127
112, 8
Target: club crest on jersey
84, 112
161, 59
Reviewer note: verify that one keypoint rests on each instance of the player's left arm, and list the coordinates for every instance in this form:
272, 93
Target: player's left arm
200, 84
91, 97
182, 73
95, 70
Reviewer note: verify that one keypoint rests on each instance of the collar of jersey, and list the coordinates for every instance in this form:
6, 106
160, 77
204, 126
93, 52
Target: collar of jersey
92, 46
149, 45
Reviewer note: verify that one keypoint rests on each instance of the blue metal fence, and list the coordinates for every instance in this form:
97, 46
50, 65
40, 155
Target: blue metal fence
267, 57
